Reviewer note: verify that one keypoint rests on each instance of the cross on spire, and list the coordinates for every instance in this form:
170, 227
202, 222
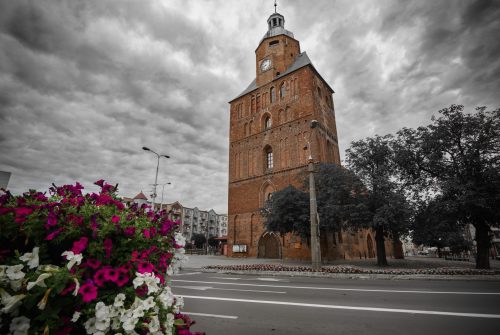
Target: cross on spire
275, 6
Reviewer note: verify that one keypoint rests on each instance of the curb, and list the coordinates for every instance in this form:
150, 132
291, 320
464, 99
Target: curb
360, 276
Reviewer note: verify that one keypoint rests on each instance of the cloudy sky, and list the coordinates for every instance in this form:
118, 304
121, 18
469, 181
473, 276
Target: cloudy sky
85, 84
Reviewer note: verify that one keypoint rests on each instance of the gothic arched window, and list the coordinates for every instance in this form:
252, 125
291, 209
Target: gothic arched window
282, 91
267, 123
272, 94
268, 152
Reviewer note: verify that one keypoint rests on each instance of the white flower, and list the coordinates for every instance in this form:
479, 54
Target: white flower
10, 302
166, 297
76, 316
39, 281
20, 325
14, 272
15, 285
169, 324
72, 259
129, 324
77, 287
31, 258
119, 299
149, 279
180, 240
90, 326
102, 324
154, 324
148, 303
179, 303
138, 313
3, 268
101, 311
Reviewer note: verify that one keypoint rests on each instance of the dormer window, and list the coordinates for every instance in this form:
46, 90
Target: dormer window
274, 22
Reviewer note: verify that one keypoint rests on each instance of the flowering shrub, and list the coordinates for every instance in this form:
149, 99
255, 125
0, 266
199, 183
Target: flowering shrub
76, 263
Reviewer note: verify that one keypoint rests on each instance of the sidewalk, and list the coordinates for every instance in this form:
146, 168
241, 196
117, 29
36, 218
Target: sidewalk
410, 268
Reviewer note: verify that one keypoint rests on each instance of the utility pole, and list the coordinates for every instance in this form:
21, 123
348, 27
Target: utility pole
315, 243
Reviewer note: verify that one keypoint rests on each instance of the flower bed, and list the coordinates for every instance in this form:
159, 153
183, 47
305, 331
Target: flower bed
76, 263
352, 269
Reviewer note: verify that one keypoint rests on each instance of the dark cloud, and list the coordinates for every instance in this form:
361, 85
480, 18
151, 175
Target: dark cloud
85, 84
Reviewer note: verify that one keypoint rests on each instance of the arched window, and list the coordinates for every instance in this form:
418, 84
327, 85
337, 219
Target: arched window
267, 123
272, 94
250, 128
268, 151
282, 91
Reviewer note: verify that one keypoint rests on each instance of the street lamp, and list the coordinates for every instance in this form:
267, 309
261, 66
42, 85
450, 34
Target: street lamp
163, 189
156, 176
315, 244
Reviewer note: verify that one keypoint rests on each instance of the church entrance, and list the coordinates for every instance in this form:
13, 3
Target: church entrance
369, 243
269, 246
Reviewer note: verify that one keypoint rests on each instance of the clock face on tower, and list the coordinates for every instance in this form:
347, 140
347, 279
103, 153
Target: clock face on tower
265, 65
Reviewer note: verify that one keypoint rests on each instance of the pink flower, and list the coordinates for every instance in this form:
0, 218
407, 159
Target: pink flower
146, 233
70, 288
108, 245
111, 274
122, 278
100, 277
129, 231
135, 254
22, 213
115, 219
93, 263
100, 182
119, 205
143, 267
52, 235
80, 245
88, 292
165, 227
51, 219
161, 277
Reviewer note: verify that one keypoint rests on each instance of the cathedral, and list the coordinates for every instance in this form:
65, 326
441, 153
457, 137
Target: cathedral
270, 129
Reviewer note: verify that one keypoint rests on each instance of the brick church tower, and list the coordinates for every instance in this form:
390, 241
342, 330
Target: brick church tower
269, 129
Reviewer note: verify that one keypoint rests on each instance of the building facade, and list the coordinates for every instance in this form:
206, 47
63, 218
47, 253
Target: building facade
269, 134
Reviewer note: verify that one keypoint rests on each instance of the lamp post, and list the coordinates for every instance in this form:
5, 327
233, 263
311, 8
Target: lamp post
163, 189
156, 176
315, 244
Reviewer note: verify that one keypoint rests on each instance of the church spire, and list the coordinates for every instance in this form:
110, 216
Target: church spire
275, 6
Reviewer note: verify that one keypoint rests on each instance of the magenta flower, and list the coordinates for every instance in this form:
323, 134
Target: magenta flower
93, 263
122, 278
22, 213
80, 245
51, 219
70, 288
111, 274
108, 245
100, 182
54, 234
115, 219
129, 231
146, 233
88, 292
144, 267
100, 277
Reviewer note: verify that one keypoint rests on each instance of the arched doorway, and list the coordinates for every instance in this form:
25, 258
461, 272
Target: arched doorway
369, 243
269, 246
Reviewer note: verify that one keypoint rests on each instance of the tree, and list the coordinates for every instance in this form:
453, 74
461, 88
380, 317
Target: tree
199, 240
287, 211
434, 225
457, 157
385, 207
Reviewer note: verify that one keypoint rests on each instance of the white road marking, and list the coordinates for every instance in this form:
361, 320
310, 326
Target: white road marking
212, 315
187, 274
204, 288
272, 279
356, 308
340, 288
228, 278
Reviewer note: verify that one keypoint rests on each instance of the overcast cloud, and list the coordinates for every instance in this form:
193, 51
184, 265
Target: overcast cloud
85, 84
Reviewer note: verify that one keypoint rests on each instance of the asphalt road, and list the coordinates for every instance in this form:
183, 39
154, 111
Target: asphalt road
249, 304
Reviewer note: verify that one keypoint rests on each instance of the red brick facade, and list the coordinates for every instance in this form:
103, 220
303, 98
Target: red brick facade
270, 121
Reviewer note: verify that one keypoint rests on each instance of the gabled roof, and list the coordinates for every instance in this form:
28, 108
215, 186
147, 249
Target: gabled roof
301, 61
140, 196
